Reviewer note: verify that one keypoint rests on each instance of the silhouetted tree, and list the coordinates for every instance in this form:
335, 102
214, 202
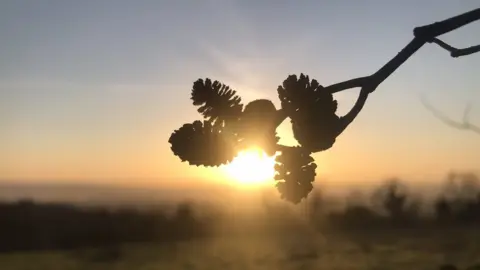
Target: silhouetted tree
392, 199
463, 203
229, 127
443, 210
26, 225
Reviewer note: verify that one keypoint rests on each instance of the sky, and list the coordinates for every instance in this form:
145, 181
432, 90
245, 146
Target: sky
91, 90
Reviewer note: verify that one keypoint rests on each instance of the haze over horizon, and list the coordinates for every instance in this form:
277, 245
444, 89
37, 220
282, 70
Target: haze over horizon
90, 91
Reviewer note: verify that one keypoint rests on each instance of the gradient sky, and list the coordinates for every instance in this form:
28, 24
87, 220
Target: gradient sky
91, 90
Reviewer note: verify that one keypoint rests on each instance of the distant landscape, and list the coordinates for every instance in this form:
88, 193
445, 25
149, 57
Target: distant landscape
101, 194
390, 218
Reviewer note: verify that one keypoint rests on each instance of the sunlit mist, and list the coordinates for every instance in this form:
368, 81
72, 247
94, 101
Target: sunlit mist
252, 167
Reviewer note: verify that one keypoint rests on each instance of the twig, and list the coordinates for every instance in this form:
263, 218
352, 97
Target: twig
464, 125
423, 35
455, 52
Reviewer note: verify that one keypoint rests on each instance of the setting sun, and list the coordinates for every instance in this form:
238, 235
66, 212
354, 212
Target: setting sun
252, 167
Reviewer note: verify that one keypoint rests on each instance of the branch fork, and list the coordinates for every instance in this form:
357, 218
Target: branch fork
422, 35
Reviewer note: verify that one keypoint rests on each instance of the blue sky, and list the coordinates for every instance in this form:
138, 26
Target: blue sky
92, 89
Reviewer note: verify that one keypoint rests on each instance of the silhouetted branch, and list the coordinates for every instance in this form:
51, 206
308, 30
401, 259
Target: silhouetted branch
357, 107
281, 116
311, 107
353, 83
423, 34
464, 125
454, 52
466, 113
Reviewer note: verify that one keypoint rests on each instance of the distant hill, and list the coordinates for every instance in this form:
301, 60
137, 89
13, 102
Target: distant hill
93, 194
178, 190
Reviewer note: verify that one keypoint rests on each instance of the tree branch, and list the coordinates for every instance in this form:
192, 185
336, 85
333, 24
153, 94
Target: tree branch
466, 113
353, 83
455, 52
439, 28
280, 117
423, 35
464, 125
357, 107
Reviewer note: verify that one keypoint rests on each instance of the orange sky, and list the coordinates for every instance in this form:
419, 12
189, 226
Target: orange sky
95, 100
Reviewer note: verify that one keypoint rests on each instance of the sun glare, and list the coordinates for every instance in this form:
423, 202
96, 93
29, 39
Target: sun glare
252, 167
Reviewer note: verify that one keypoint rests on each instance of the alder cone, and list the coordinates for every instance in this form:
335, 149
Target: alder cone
312, 111
203, 144
257, 126
218, 102
295, 173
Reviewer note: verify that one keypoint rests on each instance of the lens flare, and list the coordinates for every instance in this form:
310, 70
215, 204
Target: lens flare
252, 167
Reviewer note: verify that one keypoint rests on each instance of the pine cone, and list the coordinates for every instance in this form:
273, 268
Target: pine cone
312, 112
296, 93
295, 173
257, 126
219, 103
203, 144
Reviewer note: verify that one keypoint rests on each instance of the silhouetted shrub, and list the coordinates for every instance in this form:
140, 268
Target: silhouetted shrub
393, 206
26, 225
460, 201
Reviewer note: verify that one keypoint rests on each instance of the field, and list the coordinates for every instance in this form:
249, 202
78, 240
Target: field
392, 250
272, 235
